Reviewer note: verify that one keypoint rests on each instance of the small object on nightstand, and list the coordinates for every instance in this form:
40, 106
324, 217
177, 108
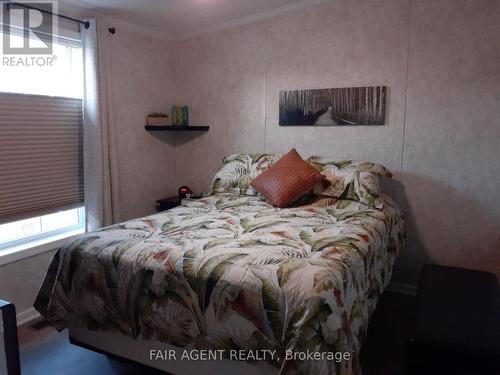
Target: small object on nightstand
167, 203
184, 192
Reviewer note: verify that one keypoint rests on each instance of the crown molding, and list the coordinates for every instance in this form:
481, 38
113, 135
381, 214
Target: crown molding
75, 10
250, 19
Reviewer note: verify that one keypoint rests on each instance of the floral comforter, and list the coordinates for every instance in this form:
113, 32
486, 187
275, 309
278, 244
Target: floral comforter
230, 271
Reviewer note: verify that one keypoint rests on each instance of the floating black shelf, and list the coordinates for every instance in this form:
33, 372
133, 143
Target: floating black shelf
176, 128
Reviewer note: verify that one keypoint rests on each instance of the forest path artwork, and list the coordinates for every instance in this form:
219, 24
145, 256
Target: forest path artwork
333, 107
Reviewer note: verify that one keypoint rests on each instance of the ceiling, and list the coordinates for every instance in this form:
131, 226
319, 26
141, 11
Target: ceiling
183, 18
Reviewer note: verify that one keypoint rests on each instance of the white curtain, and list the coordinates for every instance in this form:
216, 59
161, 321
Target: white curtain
99, 151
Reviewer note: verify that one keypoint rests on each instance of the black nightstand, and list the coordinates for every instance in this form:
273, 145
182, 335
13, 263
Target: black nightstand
457, 316
167, 203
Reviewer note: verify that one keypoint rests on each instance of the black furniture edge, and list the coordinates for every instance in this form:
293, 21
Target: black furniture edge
10, 338
457, 316
167, 203
116, 357
170, 128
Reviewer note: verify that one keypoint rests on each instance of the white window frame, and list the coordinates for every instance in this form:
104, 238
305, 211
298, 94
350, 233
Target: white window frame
26, 247
44, 235
36, 248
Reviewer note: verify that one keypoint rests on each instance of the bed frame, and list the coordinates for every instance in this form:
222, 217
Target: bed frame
137, 352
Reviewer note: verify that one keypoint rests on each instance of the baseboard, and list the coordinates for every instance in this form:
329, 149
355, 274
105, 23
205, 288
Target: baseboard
26, 316
403, 288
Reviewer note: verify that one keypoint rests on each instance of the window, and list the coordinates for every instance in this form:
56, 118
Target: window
40, 227
59, 75
41, 142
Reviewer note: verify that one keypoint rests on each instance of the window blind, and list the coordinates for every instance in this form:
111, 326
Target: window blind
41, 160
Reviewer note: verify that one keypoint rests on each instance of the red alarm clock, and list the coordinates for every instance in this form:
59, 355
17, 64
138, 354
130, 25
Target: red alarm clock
184, 191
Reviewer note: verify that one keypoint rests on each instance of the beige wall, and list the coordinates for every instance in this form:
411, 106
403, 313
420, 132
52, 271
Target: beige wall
451, 155
20, 281
222, 78
139, 82
441, 63
232, 79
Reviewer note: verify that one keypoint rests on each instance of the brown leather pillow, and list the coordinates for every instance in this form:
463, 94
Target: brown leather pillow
286, 180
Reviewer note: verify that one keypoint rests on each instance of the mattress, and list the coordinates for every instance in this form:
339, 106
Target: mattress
233, 273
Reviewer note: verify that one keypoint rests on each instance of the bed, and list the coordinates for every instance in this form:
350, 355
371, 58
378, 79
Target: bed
229, 274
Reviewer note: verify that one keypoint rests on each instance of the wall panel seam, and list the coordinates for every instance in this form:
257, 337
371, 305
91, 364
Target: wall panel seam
406, 85
266, 51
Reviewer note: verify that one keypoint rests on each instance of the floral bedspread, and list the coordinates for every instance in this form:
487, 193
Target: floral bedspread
232, 272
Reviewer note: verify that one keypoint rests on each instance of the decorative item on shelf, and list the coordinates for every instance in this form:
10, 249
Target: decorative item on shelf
157, 119
184, 192
180, 115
